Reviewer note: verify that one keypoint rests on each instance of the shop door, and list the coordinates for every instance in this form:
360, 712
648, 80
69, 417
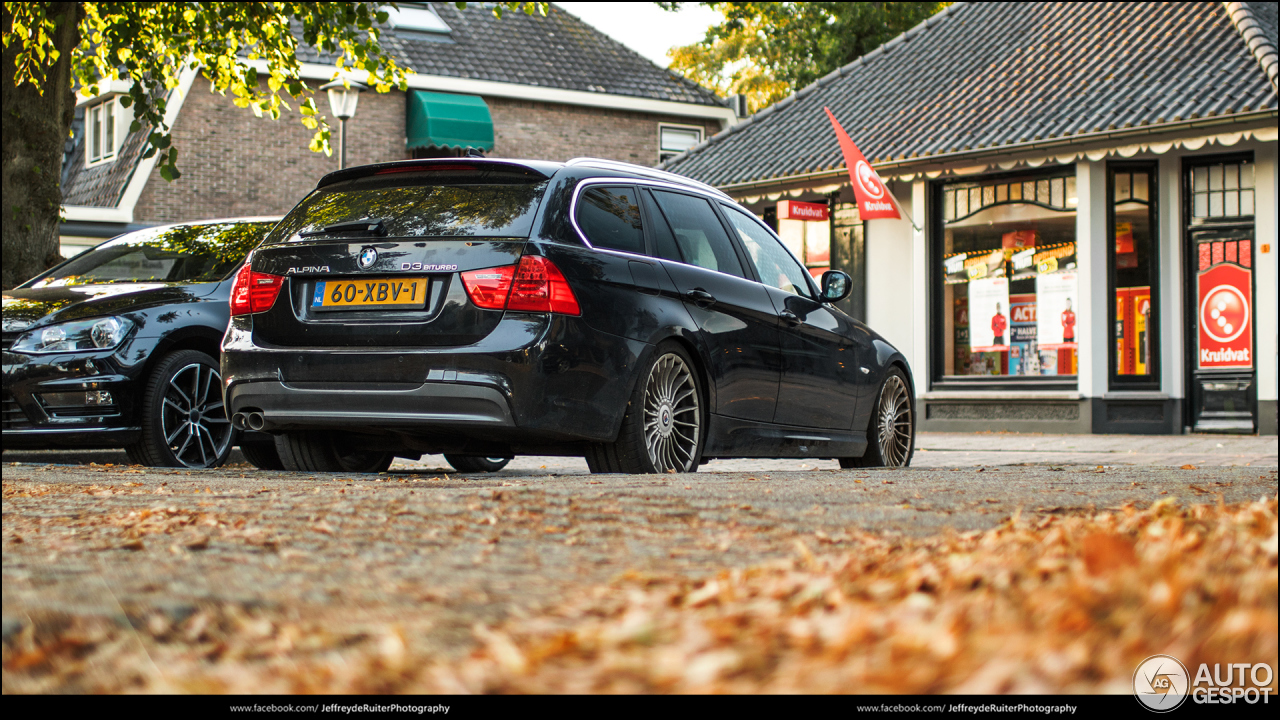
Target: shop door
1220, 310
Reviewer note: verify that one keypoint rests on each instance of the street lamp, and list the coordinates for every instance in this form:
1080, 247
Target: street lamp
342, 101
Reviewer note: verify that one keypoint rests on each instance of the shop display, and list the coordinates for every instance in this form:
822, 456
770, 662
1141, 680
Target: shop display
1133, 341
999, 236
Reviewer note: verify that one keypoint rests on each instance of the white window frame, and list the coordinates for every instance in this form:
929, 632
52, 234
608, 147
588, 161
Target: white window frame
674, 126
103, 124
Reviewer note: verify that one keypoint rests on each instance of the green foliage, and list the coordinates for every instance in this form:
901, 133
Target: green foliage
149, 44
768, 50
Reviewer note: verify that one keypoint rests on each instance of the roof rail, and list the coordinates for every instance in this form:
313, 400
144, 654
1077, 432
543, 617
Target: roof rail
643, 172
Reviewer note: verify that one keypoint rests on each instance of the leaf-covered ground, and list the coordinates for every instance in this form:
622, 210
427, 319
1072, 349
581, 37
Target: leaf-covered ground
1039, 604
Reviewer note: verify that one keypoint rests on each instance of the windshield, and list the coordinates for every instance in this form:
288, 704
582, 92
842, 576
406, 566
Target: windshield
181, 254
491, 206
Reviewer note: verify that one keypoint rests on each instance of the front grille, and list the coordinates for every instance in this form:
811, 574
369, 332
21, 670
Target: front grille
14, 417
10, 338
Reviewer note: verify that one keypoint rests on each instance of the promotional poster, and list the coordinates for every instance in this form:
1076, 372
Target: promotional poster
1056, 313
989, 314
1024, 357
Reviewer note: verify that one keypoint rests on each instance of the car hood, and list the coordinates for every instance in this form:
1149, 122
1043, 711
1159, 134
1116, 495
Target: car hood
32, 307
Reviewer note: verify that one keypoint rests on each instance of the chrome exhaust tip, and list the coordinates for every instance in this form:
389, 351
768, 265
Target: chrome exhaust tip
238, 421
256, 421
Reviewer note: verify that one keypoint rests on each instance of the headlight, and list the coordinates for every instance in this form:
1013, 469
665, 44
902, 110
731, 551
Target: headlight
81, 335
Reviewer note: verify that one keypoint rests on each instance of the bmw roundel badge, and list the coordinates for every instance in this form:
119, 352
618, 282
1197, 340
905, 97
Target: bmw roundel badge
367, 257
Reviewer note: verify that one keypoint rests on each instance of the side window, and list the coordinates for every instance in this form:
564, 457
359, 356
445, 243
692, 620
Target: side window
698, 232
664, 243
610, 218
776, 267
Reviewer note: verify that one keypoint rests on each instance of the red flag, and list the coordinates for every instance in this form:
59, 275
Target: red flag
873, 197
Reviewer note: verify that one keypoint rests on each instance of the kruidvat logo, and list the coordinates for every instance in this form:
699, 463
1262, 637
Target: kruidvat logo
1224, 313
1161, 682
867, 179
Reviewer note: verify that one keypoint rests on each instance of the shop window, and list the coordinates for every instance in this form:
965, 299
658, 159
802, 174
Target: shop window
675, 139
1007, 271
1133, 274
1222, 190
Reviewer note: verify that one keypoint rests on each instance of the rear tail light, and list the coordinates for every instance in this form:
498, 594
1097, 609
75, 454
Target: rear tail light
254, 292
535, 285
488, 288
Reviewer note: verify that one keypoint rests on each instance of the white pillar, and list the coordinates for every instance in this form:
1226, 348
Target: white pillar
1172, 281
1091, 258
920, 282
1264, 271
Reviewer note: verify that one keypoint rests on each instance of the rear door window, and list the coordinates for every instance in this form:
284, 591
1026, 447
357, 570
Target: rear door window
775, 266
610, 218
698, 233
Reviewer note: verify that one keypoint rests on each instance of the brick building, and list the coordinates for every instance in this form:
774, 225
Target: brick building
551, 88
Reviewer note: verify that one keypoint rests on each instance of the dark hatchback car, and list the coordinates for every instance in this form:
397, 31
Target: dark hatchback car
118, 347
493, 308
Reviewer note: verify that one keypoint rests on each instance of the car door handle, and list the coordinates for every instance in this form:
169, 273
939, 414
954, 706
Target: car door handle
700, 297
791, 318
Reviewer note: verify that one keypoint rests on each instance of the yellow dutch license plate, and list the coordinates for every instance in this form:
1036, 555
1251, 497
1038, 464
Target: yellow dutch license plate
382, 293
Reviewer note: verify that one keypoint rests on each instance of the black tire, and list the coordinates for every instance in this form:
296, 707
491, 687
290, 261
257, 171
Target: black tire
262, 455
891, 433
322, 451
184, 423
668, 400
472, 463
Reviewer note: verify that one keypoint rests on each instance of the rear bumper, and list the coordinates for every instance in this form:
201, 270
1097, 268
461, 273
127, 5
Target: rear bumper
535, 380
363, 405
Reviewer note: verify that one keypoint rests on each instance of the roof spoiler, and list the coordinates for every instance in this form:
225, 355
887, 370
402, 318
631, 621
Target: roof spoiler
536, 168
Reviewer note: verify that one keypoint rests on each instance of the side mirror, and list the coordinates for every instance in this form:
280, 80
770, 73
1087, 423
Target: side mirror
836, 285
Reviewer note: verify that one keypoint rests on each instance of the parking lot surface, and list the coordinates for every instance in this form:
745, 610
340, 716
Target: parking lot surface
434, 553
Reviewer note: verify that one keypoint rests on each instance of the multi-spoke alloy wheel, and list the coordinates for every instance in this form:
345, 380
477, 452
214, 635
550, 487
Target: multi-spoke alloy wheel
662, 428
891, 431
184, 423
194, 422
672, 421
895, 422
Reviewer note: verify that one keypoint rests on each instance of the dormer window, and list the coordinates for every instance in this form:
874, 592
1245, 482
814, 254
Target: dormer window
420, 22
103, 132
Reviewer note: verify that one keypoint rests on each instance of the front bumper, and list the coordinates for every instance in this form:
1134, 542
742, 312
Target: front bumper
536, 379
31, 422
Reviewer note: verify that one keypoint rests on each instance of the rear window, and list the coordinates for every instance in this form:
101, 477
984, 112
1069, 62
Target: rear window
419, 205
181, 254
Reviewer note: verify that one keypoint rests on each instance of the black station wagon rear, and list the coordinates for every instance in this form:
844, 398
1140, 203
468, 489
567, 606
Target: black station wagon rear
491, 308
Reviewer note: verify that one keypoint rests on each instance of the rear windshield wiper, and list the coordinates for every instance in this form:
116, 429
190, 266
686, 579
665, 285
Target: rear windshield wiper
368, 226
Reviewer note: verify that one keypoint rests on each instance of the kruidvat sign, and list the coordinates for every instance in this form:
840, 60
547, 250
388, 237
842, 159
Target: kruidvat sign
1225, 318
796, 210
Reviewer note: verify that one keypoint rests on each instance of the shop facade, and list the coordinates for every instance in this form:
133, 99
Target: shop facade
1108, 279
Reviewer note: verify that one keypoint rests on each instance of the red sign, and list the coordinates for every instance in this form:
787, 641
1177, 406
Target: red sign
874, 200
1225, 317
796, 210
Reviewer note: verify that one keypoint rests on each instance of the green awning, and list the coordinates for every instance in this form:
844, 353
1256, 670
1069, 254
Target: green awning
447, 120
